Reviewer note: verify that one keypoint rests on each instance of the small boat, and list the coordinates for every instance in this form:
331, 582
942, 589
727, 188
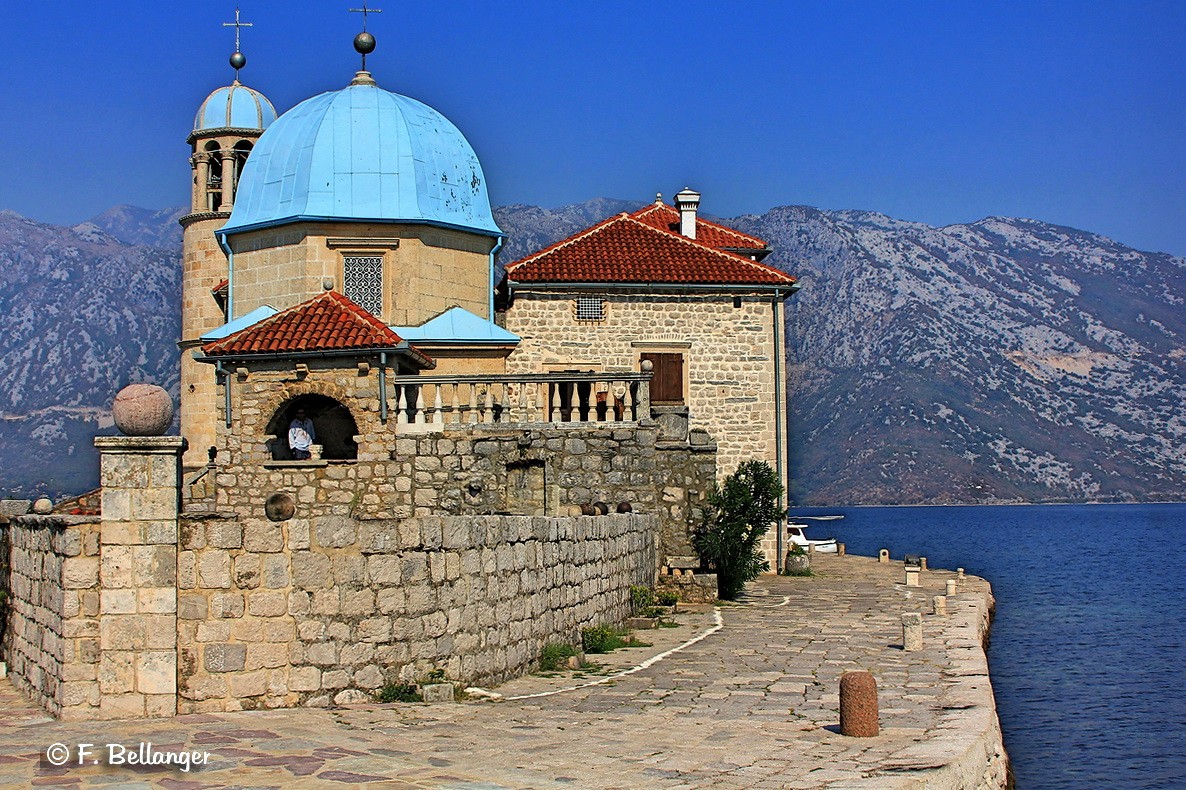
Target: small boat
796, 536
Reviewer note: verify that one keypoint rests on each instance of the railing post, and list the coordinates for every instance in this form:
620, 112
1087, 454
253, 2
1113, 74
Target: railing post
438, 417
644, 392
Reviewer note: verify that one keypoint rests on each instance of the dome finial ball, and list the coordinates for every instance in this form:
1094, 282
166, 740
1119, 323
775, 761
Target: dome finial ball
364, 43
238, 61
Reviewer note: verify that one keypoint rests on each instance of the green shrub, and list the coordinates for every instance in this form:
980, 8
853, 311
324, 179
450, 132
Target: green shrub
399, 692
668, 598
555, 656
598, 639
737, 516
641, 597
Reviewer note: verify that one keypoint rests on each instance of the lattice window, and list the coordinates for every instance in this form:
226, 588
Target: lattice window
590, 308
363, 282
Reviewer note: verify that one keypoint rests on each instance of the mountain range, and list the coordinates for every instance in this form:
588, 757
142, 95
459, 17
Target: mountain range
1003, 360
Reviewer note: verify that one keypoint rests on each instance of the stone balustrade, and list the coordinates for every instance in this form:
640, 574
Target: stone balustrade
432, 402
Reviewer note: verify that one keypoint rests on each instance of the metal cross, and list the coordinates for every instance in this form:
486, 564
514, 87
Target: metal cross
364, 11
236, 25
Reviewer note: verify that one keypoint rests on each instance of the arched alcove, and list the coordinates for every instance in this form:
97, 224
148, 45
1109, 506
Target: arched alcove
242, 151
333, 424
213, 186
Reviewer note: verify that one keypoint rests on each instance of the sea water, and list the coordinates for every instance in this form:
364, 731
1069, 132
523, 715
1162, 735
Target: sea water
1088, 648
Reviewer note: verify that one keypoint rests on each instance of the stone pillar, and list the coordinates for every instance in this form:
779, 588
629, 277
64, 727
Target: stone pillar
912, 631
201, 174
138, 576
858, 705
228, 179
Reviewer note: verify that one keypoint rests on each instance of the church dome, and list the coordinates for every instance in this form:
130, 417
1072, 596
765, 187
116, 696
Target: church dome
237, 107
363, 154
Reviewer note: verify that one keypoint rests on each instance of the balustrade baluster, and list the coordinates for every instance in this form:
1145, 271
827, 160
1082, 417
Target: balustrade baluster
488, 404
401, 405
420, 405
627, 405
438, 415
504, 413
473, 404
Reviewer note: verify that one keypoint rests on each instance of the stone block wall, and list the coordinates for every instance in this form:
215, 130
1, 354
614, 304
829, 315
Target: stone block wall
51, 643
403, 471
728, 354
326, 608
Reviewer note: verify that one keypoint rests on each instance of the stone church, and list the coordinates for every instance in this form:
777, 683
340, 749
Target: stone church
494, 463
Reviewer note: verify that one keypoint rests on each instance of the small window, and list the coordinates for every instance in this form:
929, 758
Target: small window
590, 308
362, 282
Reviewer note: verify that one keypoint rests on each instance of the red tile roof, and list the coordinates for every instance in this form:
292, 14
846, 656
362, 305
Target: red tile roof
665, 217
623, 249
328, 322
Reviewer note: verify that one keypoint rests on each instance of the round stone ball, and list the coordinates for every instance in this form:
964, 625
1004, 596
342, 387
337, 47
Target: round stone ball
574, 510
43, 507
588, 510
601, 508
142, 410
625, 507
280, 507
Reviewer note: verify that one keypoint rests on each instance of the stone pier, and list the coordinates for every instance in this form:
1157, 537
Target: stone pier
138, 576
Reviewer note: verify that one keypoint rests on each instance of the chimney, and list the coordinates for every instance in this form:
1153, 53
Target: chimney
687, 201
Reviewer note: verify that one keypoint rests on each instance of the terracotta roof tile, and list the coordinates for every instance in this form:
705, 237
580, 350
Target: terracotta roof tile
328, 322
665, 217
221, 288
623, 249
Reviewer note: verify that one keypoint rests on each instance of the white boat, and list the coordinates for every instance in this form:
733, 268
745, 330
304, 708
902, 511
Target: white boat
796, 536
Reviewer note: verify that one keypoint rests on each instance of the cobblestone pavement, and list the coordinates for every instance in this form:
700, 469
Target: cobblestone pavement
753, 704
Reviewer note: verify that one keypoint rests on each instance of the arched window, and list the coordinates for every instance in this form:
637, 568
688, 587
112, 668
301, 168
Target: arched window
242, 150
333, 426
213, 187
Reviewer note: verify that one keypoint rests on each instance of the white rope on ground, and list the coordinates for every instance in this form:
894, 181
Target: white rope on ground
718, 624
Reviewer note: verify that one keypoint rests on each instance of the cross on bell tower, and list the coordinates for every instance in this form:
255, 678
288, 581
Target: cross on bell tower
238, 59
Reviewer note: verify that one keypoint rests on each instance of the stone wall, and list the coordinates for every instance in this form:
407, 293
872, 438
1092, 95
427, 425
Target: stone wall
326, 608
403, 471
728, 356
51, 643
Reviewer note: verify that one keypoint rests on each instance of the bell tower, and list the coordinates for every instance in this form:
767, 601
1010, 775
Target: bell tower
226, 128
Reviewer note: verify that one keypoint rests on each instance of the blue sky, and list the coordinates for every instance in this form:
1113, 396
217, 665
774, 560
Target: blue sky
1070, 112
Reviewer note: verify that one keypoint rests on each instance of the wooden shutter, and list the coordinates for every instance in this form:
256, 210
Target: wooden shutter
667, 384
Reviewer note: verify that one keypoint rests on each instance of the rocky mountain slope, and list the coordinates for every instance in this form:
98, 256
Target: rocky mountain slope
83, 315
1002, 360
1006, 359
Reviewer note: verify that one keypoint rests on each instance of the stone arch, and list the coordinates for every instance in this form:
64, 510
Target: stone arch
333, 423
242, 150
214, 174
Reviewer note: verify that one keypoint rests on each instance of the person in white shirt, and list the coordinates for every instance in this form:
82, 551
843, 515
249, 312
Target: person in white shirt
301, 435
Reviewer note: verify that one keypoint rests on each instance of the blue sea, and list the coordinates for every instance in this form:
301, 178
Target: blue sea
1088, 648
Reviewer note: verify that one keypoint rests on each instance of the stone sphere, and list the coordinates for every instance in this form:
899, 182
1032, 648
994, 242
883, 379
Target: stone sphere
601, 508
624, 507
43, 507
142, 410
279, 507
364, 43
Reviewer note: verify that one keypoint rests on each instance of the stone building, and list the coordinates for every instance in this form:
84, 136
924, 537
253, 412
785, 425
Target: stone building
455, 515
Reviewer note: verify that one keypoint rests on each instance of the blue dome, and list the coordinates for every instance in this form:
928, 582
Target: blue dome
363, 154
237, 107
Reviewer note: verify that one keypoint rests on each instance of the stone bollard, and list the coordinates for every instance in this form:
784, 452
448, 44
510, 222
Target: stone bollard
960, 573
858, 705
883, 556
840, 549
923, 560
911, 576
940, 602
951, 586
912, 631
